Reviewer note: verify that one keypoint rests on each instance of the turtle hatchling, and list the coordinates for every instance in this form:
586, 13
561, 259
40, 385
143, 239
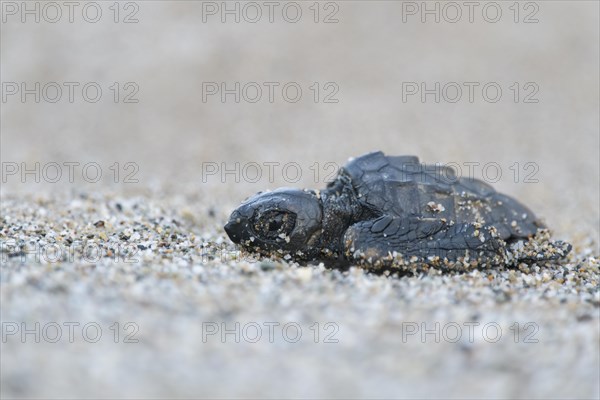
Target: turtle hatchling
386, 212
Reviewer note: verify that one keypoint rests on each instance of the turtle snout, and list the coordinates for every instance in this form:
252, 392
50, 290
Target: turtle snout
231, 228
236, 227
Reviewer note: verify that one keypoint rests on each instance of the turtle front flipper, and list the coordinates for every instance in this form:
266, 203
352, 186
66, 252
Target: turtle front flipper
390, 241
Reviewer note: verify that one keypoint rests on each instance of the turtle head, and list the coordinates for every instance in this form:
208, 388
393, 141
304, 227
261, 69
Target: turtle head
285, 219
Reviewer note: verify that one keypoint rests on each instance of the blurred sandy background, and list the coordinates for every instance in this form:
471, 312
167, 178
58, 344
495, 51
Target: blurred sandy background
170, 134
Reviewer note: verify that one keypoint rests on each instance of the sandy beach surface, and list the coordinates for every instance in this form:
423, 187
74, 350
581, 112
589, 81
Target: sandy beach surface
118, 281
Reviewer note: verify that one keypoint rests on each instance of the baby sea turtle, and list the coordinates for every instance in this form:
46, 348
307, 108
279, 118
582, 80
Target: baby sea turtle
386, 212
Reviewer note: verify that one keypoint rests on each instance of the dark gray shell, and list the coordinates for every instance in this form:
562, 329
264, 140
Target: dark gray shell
402, 186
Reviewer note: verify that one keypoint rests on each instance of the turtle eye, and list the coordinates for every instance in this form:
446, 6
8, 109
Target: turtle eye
273, 223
